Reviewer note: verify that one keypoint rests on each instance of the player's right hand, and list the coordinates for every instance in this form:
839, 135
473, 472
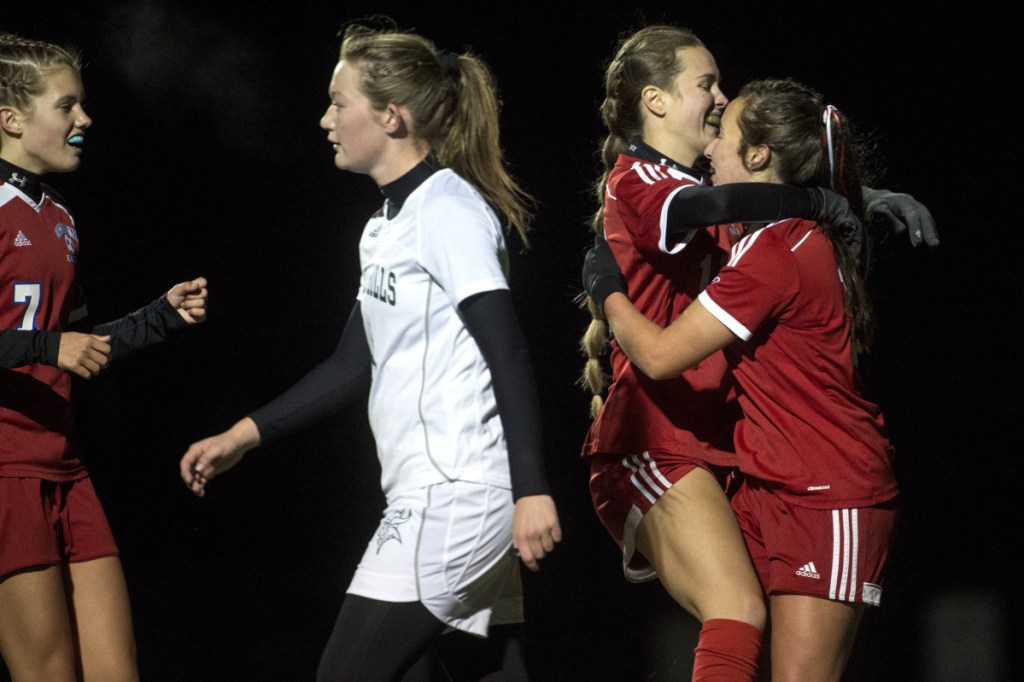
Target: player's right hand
212, 456
84, 355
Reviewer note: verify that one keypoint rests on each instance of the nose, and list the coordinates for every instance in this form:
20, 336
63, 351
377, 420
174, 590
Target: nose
82, 121
720, 99
325, 120
710, 148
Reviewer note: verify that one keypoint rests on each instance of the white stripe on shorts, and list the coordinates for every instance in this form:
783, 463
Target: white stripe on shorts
645, 471
845, 539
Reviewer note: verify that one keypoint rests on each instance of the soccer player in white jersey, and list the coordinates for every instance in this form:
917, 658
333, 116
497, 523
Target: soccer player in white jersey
434, 336
817, 505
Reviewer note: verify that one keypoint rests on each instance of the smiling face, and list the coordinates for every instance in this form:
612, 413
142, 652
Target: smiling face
354, 128
685, 116
48, 138
728, 162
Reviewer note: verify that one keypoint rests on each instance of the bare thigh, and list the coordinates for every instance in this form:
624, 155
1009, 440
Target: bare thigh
35, 632
692, 539
102, 620
811, 638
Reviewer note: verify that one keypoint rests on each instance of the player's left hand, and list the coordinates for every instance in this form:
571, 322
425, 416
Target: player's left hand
601, 274
902, 213
189, 299
535, 529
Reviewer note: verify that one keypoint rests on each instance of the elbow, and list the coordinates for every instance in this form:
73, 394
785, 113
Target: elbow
658, 368
662, 372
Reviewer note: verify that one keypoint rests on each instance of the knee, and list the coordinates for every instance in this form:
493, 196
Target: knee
753, 609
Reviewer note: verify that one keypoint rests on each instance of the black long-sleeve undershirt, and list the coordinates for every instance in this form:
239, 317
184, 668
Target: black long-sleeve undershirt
325, 390
133, 332
491, 319
345, 375
743, 202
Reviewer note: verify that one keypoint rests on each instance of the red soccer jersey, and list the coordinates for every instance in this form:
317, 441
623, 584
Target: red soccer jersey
688, 415
805, 427
38, 290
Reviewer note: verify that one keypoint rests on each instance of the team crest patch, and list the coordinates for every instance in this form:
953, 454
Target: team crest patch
63, 231
70, 237
389, 527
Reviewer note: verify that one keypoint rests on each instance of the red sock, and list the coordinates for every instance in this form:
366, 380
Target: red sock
727, 651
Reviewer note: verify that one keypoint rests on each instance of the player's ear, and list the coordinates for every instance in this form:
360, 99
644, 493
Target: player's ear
758, 157
392, 118
11, 120
652, 98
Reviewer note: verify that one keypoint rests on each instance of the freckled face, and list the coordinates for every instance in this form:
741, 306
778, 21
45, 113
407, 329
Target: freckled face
352, 125
724, 151
56, 120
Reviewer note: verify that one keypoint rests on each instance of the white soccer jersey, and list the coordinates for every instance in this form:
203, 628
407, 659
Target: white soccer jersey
432, 407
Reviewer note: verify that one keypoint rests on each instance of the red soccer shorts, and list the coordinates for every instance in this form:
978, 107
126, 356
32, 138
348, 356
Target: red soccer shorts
625, 487
836, 554
43, 523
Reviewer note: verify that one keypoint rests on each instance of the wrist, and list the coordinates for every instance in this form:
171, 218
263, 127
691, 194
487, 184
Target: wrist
245, 434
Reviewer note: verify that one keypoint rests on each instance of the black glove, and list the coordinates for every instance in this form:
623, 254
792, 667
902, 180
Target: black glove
902, 213
601, 274
833, 208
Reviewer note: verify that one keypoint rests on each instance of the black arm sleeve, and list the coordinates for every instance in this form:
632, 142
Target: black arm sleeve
742, 202
491, 319
19, 348
325, 390
144, 327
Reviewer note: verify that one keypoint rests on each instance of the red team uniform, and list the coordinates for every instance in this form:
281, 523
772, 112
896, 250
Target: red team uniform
649, 433
817, 505
39, 291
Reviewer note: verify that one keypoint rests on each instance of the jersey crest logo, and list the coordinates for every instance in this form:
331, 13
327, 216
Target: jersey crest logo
70, 237
22, 240
389, 527
19, 180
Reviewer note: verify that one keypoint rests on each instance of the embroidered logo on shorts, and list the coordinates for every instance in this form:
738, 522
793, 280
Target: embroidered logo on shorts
389, 527
872, 593
808, 570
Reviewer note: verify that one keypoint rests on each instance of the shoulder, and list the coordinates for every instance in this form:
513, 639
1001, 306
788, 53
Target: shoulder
637, 181
447, 194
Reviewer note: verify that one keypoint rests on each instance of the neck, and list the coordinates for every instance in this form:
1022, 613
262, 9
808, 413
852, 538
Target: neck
25, 180
405, 157
672, 146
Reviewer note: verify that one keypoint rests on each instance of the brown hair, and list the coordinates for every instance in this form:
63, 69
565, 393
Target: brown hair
649, 56
791, 119
454, 106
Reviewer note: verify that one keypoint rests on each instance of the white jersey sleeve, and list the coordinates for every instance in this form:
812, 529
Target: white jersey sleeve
462, 247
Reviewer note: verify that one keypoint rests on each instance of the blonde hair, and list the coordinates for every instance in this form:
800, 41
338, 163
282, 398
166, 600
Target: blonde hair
24, 66
454, 106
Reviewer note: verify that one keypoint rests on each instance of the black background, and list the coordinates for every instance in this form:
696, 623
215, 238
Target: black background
206, 158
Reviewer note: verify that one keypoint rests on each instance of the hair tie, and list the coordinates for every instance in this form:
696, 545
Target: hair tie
449, 62
832, 114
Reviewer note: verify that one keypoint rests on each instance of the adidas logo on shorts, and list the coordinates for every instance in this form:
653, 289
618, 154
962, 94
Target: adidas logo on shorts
808, 570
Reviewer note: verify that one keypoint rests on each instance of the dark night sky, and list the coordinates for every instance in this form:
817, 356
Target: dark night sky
206, 158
